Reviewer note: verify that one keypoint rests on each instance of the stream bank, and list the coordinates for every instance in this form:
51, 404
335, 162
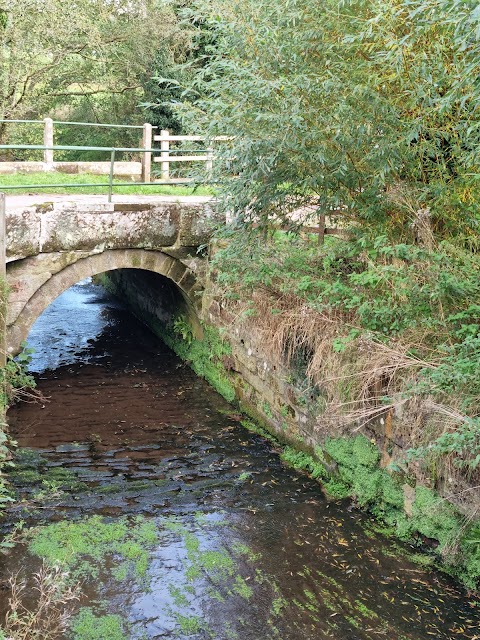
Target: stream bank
140, 481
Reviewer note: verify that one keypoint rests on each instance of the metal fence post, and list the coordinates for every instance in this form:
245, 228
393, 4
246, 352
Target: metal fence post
110, 177
48, 142
147, 157
165, 149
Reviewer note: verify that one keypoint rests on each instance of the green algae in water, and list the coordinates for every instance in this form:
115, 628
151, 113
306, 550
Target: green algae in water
31, 468
213, 573
87, 626
83, 546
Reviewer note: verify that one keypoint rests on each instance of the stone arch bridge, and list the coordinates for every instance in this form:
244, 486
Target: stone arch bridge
53, 245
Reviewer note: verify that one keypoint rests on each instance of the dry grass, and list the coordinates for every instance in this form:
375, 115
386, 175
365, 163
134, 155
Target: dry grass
47, 615
354, 379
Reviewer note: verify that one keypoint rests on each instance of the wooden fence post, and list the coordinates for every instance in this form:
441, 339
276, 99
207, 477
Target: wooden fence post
147, 157
321, 228
209, 163
3, 282
165, 148
48, 142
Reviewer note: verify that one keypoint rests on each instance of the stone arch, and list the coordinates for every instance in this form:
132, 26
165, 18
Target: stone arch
87, 266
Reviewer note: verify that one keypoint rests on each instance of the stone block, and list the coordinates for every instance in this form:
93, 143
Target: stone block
89, 228
23, 233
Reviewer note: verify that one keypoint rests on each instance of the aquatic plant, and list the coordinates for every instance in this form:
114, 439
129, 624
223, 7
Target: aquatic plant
88, 626
49, 618
84, 546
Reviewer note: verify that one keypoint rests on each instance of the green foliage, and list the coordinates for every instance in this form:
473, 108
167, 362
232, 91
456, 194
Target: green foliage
376, 146
63, 55
359, 473
435, 518
383, 291
385, 287
87, 626
303, 462
182, 328
462, 443
14, 378
5, 491
14, 381
470, 549
457, 372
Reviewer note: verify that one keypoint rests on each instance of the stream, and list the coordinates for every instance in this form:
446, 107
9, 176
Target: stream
200, 531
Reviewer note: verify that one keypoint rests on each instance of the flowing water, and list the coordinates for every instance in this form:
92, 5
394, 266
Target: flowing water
210, 535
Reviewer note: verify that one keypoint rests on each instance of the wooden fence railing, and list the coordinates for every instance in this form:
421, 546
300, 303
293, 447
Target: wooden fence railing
170, 149
165, 158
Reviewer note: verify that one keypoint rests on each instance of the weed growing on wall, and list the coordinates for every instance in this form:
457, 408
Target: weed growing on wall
368, 324
205, 356
15, 384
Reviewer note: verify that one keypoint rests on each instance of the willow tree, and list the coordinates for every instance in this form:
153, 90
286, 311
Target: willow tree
364, 109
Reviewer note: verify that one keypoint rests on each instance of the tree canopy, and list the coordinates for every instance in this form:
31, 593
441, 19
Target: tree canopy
365, 108
53, 51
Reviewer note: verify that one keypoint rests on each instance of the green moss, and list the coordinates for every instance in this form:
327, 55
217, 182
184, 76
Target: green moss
253, 427
303, 462
351, 452
278, 605
470, 551
267, 410
242, 589
434, 517
189, 624
364, 610
87, 626
25, 476
337, 489
179, 597
31, 468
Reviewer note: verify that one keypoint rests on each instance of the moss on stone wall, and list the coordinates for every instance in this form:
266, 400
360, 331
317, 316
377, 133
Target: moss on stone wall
205, 356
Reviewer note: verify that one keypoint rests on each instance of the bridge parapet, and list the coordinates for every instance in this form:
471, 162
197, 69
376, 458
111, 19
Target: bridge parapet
182, 224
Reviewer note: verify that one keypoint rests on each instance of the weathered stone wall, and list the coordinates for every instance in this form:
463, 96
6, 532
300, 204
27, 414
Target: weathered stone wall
154, 298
